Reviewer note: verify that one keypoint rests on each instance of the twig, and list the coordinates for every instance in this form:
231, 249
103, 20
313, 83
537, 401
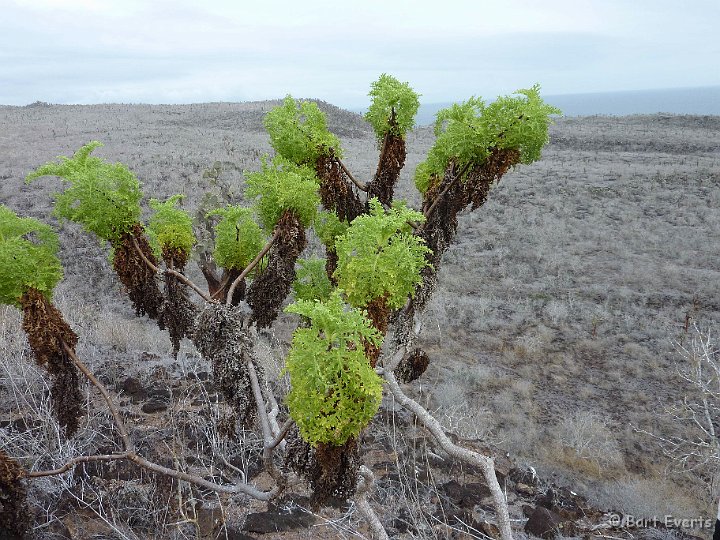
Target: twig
250, 266
130, 454
360, 185
282, 433
484, 462
365, 483
75, 461
198, 481
119, 423
172, 272
442, 194
268, 439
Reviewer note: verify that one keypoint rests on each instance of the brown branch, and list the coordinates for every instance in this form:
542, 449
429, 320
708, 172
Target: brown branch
282, 433
250, 266
382, 153
360, 185
386, 138
221, 288
119, 423
172, 272
442, 194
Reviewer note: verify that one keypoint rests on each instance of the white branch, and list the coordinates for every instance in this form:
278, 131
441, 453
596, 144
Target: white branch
485, 463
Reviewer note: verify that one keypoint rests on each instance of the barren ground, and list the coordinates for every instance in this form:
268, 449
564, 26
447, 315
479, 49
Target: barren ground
560, 306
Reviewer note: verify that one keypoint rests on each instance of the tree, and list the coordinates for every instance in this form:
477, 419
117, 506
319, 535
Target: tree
382, 260
696, 449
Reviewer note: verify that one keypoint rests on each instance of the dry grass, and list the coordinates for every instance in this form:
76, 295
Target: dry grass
564, 293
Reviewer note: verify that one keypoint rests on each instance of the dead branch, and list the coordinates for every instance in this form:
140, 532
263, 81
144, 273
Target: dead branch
250, 266
485, 463
358, 184
172, 272
131, 455
269, 443
365, 484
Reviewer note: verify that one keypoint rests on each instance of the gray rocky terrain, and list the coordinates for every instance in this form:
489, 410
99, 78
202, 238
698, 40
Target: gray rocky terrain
554, 334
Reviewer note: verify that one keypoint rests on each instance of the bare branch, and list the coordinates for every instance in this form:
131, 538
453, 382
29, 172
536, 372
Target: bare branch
268, 439
172, 272
235, 489
119, 423
282, 433
250, 267
485, 463
76, 461
365, 484
130, 455
360, 185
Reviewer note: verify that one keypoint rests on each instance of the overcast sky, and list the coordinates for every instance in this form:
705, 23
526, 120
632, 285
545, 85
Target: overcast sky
132, 51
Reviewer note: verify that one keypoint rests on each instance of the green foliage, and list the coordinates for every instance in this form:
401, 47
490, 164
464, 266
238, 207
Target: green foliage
312, 282
378, 256
103, 197
28, 257
335, 392
298, 132
388, 95
238, 238
170, 227
281, 185
468, 132
328, 227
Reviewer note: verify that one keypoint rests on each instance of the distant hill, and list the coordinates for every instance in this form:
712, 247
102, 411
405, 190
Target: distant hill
705, 101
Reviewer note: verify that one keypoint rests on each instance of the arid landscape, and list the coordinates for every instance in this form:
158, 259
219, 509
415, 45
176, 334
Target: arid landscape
555, 335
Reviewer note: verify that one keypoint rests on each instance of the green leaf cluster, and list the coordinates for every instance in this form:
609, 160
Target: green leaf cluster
335, 392
388, 95
282, 185
379, 257
238, 238
298, 132
468, 132
28, 257
311, 281
170, 227
103, 197
328, 226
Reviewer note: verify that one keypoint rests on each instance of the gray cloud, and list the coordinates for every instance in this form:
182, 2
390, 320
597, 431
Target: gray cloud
177, 52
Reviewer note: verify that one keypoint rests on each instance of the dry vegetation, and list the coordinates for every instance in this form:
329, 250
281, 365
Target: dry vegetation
552, 333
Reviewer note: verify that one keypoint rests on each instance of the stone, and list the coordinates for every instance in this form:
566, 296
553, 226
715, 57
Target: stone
465, 496
525, 490
489, 529
154, 406
134, 388
524, 475
527, 510
160, 392
564, 502
278, 520
543, 523
231, 533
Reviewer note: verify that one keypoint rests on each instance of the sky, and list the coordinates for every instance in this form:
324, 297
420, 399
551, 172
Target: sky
133, 51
